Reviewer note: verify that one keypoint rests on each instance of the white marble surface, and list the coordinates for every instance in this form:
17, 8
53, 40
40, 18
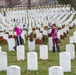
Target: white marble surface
56, 70
39, 35
59, 33
71, 49
20, 52
50, 43
13, 70
3, 61
5, 36
23, 36
44, 52
11, 44
32, 61
45, 32
65, 61
72, 39
31, 45
0, 48
74, 33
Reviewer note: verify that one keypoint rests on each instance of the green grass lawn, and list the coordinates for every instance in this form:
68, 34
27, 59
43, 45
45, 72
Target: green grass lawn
43, 65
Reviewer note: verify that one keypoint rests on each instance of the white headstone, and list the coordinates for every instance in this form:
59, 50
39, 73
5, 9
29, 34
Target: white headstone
64, 30
41, 29
32, 61
44, 52
11, 33
5, 36
1, 34
13, 70
56, 70
50, 43
11, 44
0, 48
65, 61
14, 33
45, 32
39, 35
20, 52
72, 39
3, 61
23, 37
74, 33
67, 28
31, 45
58, 33
71, 49
62, 33
36, 31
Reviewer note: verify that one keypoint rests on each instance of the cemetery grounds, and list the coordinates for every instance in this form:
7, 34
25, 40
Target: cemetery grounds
43, 65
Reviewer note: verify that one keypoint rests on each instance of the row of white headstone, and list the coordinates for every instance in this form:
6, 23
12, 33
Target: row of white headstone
33, 17
32, 65
67, 56
57, 18
72, 39
37, 32
65, 60
32, 59
45, 32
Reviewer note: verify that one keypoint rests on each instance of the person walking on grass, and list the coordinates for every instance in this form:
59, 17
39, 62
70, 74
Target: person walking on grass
18, 31
54, 38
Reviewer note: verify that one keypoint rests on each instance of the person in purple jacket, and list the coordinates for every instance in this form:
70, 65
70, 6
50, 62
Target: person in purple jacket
55, 38
18, 31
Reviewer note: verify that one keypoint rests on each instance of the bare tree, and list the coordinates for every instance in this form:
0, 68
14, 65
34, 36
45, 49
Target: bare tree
29, 4
10, 3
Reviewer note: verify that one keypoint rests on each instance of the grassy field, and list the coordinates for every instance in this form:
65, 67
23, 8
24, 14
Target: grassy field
43, 65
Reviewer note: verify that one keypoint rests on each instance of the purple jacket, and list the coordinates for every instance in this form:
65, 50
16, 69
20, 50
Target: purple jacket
54, 33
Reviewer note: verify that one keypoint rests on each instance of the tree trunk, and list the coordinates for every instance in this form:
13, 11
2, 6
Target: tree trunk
10, 3
29, 4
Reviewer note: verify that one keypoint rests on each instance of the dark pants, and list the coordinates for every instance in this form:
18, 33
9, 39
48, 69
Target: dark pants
55, 42
19, 42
